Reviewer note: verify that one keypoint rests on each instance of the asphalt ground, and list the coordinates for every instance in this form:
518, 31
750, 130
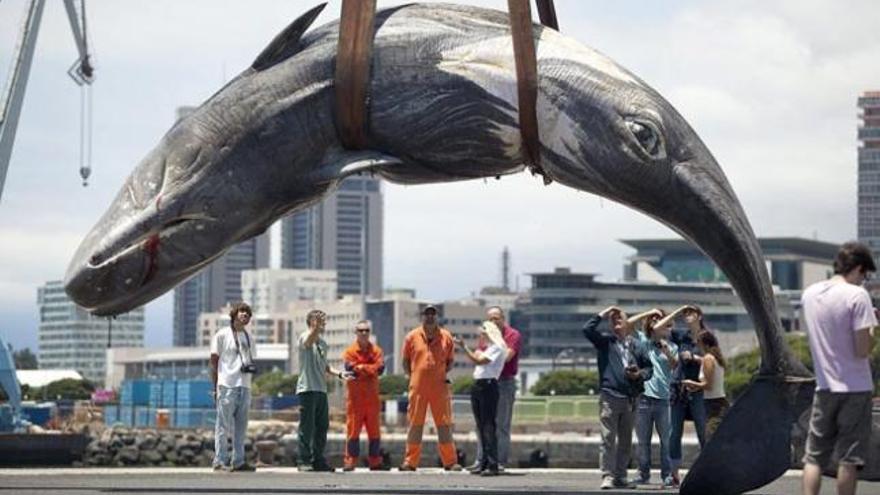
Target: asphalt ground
429, 481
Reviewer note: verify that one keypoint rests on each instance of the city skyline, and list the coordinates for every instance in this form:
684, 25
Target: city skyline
771, 89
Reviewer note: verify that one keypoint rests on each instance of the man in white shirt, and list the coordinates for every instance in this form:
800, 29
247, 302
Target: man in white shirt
232, 366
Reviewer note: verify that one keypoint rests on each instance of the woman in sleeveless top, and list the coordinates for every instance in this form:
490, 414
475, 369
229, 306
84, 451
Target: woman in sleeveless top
711, 381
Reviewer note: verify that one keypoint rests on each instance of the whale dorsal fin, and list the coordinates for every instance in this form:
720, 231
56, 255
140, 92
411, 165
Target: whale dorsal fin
287, 42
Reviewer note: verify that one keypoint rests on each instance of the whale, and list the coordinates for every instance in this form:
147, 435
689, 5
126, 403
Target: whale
441, 107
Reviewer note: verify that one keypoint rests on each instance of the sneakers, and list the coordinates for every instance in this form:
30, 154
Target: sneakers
219, 468
607, 483
323, 468
676, 481
406, 467
624, 484
348, 468
490, 472
453, 467
643, 480
305, 468
244, 468
669, 482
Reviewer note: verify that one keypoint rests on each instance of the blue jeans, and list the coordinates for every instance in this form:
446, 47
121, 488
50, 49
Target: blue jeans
232, 418
651, 412
506, 398
686, 403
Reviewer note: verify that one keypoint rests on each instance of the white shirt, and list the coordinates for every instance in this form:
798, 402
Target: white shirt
229, 368
493, 368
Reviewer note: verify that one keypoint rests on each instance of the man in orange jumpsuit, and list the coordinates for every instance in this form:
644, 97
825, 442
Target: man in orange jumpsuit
366, 361
428, 354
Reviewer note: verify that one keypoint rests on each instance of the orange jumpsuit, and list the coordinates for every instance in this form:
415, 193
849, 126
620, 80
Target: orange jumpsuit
428, 389
362, 405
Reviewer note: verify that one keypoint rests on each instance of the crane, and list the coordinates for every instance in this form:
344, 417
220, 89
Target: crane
81, 72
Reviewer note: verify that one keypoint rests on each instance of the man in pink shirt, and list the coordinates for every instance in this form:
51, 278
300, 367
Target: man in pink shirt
840, 322
506, 388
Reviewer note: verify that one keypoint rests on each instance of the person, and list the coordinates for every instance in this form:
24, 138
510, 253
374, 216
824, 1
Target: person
623, 369
841, 323
428, 355
711, 381
232, 366
653, 405
484, 394
506, 388
362, 407
311, 387
684, 403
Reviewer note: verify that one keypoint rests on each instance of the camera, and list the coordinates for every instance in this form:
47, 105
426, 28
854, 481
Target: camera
248, 368
658, 344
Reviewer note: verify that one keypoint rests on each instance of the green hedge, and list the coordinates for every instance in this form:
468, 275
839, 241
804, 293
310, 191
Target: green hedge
567, 382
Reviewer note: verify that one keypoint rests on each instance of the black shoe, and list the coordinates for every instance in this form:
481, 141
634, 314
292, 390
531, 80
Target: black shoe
380, 468
490, 472
244, 468
323, 468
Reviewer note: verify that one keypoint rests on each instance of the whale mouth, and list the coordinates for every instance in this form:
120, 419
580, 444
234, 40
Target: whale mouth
125, 246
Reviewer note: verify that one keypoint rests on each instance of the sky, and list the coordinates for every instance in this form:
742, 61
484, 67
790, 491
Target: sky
770, 87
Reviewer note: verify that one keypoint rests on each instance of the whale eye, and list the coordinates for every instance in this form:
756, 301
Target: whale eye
647, 136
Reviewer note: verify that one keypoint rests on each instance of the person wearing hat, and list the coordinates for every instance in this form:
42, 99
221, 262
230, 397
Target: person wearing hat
484, 394
428, 354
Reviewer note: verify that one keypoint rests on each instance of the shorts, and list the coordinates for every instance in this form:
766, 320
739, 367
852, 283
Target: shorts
840, 424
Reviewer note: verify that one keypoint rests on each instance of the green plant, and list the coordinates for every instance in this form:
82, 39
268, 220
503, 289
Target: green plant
462, 385
274, 383
393, 385
67, 388
567, 382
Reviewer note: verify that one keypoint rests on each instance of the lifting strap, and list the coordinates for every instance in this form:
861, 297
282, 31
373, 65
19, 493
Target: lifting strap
354, 53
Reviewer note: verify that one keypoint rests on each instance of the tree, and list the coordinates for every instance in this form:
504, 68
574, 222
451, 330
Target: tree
462, 385
67, 388
567, 382
274, 383
741, 368
393, 385
24, 359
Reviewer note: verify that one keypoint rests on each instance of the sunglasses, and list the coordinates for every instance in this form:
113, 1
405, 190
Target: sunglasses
362, 330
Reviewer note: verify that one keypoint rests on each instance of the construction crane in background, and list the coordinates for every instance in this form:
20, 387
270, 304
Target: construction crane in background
81, 72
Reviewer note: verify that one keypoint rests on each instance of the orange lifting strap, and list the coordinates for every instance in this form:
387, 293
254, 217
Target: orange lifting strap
356, 27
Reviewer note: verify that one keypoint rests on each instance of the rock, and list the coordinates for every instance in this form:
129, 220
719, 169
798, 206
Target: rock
152, 457
128, 455
149, 443
172, 457
128, 439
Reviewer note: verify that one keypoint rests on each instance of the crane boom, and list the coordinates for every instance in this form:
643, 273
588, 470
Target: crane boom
10, 109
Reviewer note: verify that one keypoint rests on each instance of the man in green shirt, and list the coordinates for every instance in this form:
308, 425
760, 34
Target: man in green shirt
314, 417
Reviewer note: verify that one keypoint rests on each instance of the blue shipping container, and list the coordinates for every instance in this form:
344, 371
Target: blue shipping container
155, 394
144, 416
38, 414
169, 393
284, 402
194, 394
111, 414
195, 418
126, 415
135, 393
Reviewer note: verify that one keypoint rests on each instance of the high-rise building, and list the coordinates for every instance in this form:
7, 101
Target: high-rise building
271, 290
72, 338
215, 286
869, 169
342, 233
